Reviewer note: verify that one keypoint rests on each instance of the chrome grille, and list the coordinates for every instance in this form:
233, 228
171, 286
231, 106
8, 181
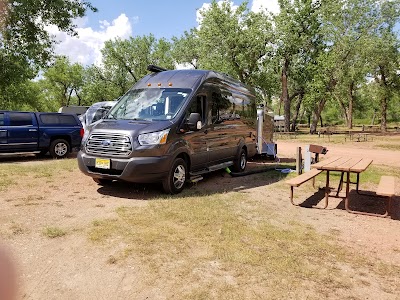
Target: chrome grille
109, 144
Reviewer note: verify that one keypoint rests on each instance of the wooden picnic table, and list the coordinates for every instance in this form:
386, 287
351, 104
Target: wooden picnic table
345, 165
359, 136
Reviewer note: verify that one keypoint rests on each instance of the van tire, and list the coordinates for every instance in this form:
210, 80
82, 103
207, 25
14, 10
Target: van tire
174, 183
240, 163
59, 148
101, 181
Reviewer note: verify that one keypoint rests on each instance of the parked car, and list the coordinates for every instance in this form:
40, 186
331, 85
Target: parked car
172, 126
95, 112
56, 133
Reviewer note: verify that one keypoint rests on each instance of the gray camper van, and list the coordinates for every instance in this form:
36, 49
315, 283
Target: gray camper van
170, 127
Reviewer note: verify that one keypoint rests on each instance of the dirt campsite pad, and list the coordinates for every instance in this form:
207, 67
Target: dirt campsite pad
222, 238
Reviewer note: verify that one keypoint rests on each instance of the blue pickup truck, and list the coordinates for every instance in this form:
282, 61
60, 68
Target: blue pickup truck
56, 133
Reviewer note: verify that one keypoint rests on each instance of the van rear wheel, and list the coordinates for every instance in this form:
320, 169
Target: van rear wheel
240, 163
176, 179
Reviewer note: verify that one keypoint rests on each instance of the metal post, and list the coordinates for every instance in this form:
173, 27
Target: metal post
298, 161
307, 159
260, 121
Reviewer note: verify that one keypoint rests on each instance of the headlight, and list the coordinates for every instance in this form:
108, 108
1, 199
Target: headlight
154, 138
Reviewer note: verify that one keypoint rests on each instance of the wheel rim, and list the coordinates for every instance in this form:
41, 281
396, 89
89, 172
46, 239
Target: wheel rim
179, 176
60, 149
243, 161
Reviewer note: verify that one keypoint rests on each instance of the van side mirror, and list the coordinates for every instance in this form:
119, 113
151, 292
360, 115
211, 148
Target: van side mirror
194, 121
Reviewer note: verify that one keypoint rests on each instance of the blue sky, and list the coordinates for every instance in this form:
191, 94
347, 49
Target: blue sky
161, 18
125, 18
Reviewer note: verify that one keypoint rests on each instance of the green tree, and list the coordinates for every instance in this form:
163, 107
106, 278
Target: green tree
25, 44
298, 42
185, 50
124, 62
238, 42
22, 25
65, 81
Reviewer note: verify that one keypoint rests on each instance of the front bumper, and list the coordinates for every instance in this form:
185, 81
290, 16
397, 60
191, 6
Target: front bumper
135, 169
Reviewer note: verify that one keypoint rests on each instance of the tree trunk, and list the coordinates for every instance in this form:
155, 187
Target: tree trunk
373, 118
344, 109
350, 107
285, 94
297, 111
384, 100
316, 116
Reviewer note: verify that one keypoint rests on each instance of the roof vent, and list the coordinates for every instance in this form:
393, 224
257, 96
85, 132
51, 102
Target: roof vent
155, 69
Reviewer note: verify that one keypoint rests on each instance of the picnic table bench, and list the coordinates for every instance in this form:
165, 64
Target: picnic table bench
386, 188
299, 180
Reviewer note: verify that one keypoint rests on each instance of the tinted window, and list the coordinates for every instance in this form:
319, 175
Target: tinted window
20, 119
229, 101
198, 105
1, 119
67, 120
55, 119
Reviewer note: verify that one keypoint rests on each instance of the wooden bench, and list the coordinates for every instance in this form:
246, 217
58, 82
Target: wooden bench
386, 188
299, 180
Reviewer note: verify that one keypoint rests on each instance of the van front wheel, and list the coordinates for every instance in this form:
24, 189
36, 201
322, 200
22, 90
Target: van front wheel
175, 181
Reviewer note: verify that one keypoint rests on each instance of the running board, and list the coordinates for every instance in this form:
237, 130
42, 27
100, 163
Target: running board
211, 169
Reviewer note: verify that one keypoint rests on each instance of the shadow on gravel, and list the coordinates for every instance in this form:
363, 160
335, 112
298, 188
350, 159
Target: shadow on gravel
212, 183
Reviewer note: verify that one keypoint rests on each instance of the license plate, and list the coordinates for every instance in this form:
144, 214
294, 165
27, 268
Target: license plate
103, 163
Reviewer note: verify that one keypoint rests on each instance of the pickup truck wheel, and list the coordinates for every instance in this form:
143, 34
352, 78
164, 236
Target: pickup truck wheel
176, 179
240, 163
102, 181
59, 148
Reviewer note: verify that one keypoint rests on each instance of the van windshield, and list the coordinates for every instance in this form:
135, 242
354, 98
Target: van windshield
149, 104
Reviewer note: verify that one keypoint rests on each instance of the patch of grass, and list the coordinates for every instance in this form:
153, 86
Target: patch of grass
206, 239
18, 229
53, 232
5, 181
395, 147
10, 173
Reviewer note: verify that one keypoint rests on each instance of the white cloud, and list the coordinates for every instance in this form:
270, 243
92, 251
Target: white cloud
270, 5
86, 48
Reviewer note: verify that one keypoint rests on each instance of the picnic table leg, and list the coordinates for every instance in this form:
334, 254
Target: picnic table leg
291, 195
340, 185
327, 190
346, 201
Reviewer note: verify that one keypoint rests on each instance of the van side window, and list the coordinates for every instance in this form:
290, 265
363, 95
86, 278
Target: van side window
20, 119
1, 119
198, 105
221, 108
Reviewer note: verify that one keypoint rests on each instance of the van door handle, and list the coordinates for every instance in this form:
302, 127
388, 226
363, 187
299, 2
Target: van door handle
32, 130
3, 130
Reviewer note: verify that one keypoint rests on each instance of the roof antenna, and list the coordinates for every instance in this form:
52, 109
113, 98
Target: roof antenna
155, 69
